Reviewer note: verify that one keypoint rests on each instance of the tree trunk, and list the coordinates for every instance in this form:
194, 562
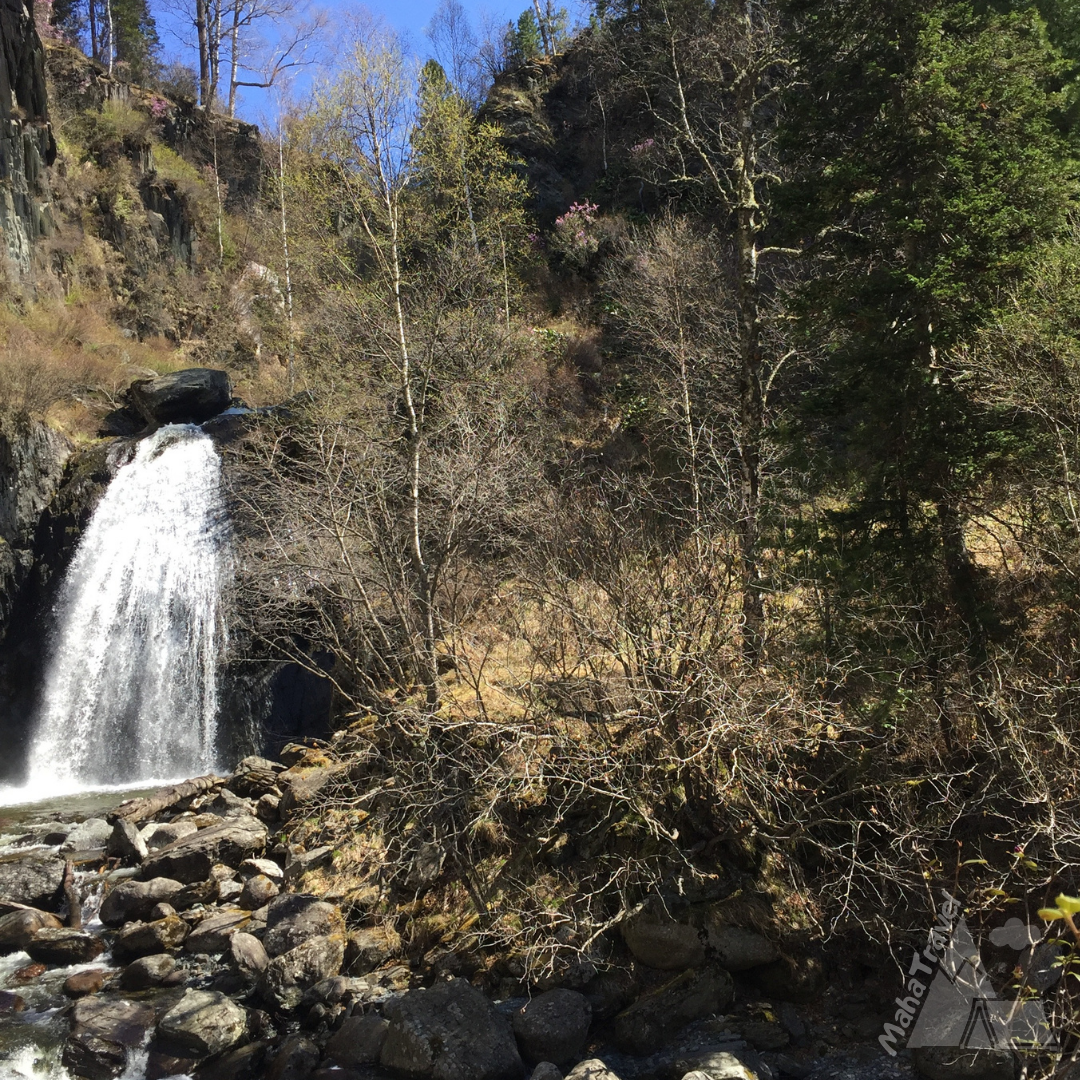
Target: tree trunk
234, 55
91, 7
204, 52
111, 55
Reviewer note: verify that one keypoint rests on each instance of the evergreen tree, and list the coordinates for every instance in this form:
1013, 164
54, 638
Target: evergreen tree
137, 42
523, 42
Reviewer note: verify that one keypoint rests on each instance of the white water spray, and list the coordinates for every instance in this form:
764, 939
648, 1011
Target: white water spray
130, 690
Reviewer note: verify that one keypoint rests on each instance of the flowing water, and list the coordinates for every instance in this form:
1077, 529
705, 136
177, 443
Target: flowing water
130, 691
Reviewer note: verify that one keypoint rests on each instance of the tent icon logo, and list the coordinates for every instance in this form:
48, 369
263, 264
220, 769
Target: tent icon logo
950, 1002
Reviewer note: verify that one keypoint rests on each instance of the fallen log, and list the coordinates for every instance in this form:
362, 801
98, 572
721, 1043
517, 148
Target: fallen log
136, 810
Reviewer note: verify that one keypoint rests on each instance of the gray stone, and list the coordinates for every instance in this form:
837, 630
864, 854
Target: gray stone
213, 934
371, 947
946, 1063
132, 900
294, 1061
250, 868
161, 911
145, 939
230, 891
592, 1069
358, 1041
64, 947
248, 954
35, 880
546, 1070
243, 1063
126, 844
663, 944
301, 862
654, 1019
18, 927
449, 1032
191, 858
553, 1027
102, 1029
715, 1065
739, 949
268, 808
293, 918
182, 397
158, 836
257, 892
204, 1022
302, 789
288, 975
90, 835
147, 971
199, 892
228, 804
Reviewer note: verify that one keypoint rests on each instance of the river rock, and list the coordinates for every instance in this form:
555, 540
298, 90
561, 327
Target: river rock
18, 927
90, 835
101, 1031
248, 954
358, 1041
158, 836
243, 1063
212, 935
553, 1027
230, 891
294, 1061
191, 858
948, 1063
713, 1065
133, 900
228, 804
293, 918
288, 975
257, 892
126, 843
371, 947
204, 1022
85, 982
546, 1070
35, 880
64, 947
147, 971
664, 944
145, 939
739, 949
268, 809
250, 868
199, 892
182, 397
449, 1032
592, 1069
161, 911
653, 1020
255, 782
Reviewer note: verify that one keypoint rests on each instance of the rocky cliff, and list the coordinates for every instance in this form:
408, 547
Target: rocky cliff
27, 146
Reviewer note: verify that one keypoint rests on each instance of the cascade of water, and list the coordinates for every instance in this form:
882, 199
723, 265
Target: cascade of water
130, 691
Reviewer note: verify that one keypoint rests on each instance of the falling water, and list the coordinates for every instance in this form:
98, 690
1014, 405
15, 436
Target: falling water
130, 692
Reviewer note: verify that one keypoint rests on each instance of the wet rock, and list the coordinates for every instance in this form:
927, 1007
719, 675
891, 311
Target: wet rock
182, 397
664, 944
18, 927
358, 1041
553, 1027
947, 1063
212, 935
132, 900
296, 1060
449, 1032
191, 858
29, 973
199, 892
248, 954
90, 835
164, 1063
145, 939
147, 971
85, 982
64, 947
126, 844
158, 836
243, 1063
250, 868
257, 892
370, 948
592, 1069
654, 1019
35, 880
101, 1032
546, 1070
739, 949
10, 1002
204, 1022
268, 809
293, 918
289, 974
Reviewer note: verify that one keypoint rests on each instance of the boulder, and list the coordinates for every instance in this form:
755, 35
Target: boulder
302, 789
191, 858
243, 1063
204, 1022
449, 1032
294, 1061
609, 992
553, 1027
133, 900
102, 1030
947, 1063
546, 1070
126, 844
182, 397
230, 891
158, 836
199, 892
785, 980
371, 947
358, 1041
257, 892
255, 782
592, 1069
268, 808
64, 947
34, 880
10, 1002
18, 927
228, 804
739, 949
85, 982
288, 975
145, 939
161, 911
714, 1065
90, 835
147, 971
212, 935
250, 868
248, 954
653, 1020
293, 918
664, 944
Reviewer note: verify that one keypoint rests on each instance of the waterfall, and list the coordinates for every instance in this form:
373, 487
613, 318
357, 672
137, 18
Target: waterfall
130, 688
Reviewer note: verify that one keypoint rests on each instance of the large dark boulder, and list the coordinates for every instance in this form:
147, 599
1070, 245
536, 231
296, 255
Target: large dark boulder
35, 880
190, 858
182, 397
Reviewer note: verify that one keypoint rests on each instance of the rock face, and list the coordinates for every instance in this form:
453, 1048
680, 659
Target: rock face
450, 1032
204, 1022
32, 879
191, 858
182, 397
553, 1027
